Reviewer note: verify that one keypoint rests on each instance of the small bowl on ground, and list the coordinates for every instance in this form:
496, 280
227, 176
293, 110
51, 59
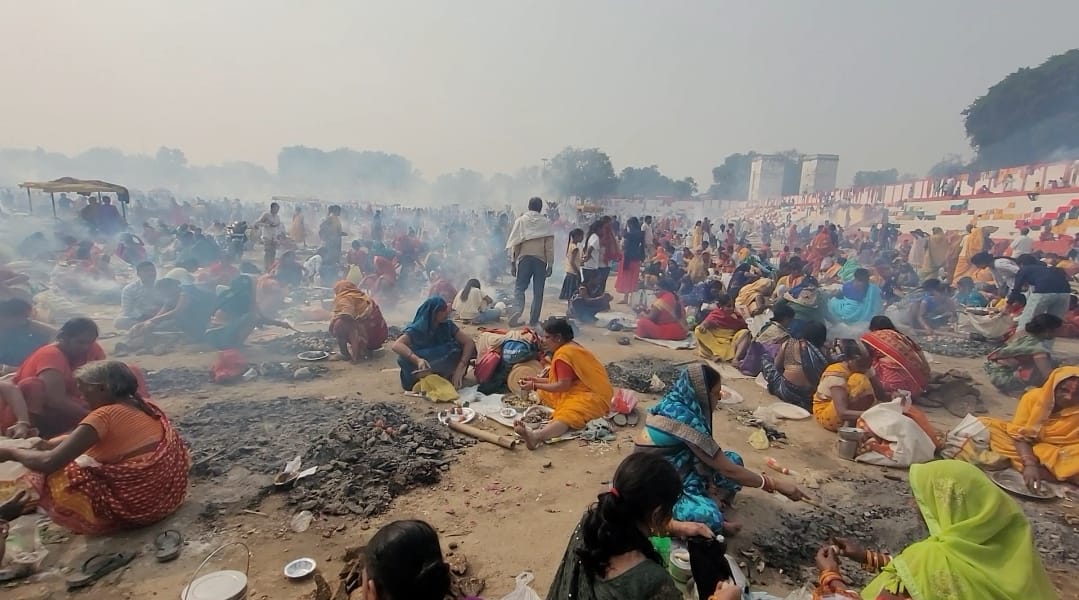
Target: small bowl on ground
313, 355
508, 412
851, 434
300, 568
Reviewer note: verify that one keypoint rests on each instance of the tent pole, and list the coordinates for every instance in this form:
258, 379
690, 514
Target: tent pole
29, 201
53, 196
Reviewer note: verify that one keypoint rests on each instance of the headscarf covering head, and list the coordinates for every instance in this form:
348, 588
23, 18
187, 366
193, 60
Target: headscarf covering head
979, 546
423, 325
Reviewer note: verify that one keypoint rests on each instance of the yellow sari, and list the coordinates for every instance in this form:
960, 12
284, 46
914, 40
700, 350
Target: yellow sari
590, 395
838, 375
1054, 436
971, 245
747, 296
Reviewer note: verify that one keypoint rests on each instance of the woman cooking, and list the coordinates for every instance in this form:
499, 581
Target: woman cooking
723, 335
897, 359
665, 319
1025, 360
679, 428
797, 368
122, 467
1042, 439
357, 322
980, 545
432, 343
577, 388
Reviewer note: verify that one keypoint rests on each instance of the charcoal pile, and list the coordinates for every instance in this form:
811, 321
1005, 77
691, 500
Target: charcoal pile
956, 347
290, 371
302, 342
367, 454
180, 379
372, 455
636, 373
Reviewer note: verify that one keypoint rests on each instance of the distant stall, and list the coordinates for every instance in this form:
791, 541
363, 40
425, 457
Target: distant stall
70, 185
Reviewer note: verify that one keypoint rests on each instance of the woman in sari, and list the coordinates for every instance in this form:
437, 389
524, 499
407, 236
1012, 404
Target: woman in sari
577, 387
797, 368
1042, 439
297, 230
272, 286
665, 320
357, 322
898, 361
723, 335
739, 278
936, 255
805, 300
680, 429
973, 243
629, 269
792, 276
820, 248
237, 314
134, 472
752, 298
980, 545
609, 554
1025, 360
433, 343
859, 301
47, 377
440, 286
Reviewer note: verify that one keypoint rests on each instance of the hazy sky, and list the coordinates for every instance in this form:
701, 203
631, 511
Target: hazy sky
496, 84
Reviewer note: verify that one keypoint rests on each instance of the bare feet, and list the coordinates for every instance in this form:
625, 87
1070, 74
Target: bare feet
526, 434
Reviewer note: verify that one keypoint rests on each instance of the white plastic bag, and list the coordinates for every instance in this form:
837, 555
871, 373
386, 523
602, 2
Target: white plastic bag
522, 591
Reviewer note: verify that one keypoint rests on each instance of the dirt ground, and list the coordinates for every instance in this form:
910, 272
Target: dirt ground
507, 511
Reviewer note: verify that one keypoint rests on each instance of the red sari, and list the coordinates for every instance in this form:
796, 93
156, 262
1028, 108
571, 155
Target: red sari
669, 325
818, 249
898, 361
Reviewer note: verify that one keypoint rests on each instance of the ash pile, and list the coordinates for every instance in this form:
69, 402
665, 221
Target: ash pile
302, 342
367, 453
178, 379
955, 347
373, 454
636, 373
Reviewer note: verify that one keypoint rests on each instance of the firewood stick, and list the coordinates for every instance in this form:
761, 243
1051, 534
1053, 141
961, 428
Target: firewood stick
485, 436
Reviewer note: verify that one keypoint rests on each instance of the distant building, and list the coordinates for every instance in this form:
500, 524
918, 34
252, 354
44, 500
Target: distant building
766, 178
818, 173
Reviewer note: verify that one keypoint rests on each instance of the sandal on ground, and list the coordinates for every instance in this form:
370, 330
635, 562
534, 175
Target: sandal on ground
98, 566
168, 544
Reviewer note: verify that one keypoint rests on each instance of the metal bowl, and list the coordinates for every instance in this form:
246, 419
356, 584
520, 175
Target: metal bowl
300, 568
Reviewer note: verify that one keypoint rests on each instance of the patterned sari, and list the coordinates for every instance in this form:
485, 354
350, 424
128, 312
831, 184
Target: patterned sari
669, 325
104, 498
354, 312
680, 423
898, 361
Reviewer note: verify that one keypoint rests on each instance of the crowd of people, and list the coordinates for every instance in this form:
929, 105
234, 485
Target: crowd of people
830, 321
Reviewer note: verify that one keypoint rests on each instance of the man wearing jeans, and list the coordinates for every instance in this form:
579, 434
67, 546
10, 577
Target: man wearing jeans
531, 246
1048, 289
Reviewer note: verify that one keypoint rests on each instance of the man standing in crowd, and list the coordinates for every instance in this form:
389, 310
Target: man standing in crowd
1022, 244
531, 246
270, 222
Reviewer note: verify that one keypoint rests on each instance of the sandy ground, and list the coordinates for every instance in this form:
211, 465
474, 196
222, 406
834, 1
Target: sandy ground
507, 511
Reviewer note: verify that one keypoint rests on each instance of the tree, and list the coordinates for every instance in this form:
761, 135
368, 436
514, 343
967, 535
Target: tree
949, 166
1030, 116
731, 179
875, 178
581, 172
685, 188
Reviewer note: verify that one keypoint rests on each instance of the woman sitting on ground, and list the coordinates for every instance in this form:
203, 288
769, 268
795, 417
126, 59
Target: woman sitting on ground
804, 298
134, 472
433, 343
1042, 439
609, 554
237, 314
473, 306
798, 367
898, 361
752, 299
932, 308
980, 545
584, 307
403, 561
858, 302
680, 429
966, 295
1025, 360
577, 387
665, 319
357, 322
776, 331
47, 381
21, 334
440, 286
849, 387
723, 335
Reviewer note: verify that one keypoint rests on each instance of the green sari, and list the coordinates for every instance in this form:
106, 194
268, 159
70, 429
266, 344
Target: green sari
980, 545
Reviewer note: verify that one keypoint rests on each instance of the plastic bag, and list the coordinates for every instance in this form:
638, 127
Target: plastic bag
624, 401
436, 388
517, 351
522, 591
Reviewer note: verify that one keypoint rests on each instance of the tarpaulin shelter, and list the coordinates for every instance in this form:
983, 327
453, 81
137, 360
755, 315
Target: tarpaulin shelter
71, 185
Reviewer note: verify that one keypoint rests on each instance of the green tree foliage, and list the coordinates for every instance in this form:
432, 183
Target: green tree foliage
643, 182
873, 178
581, 172
730, 180
1030, 116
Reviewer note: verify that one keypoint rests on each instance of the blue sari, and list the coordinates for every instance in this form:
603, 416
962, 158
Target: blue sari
860, 309
436, 344
681, 422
